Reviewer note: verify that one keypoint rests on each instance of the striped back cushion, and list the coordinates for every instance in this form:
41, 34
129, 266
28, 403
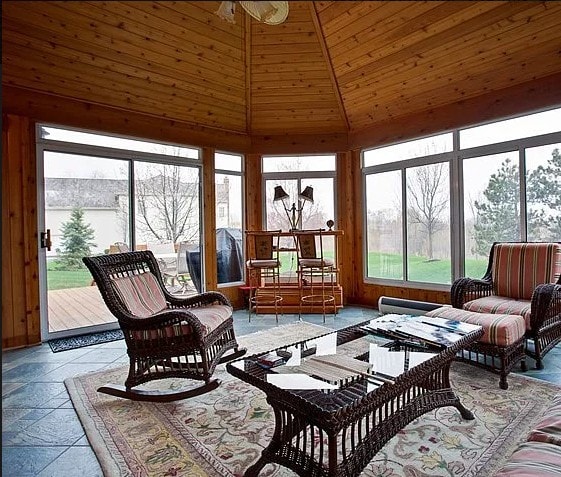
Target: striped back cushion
518, 268
141, 294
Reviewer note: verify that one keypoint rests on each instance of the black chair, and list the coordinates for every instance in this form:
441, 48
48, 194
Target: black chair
166, 336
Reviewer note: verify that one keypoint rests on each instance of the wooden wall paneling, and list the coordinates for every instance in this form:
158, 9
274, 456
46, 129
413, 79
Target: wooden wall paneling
522, 98
82, 114
209, 220
20, 293
253, 192
299, 143
346, 218
8, 313
247, 62
371, 293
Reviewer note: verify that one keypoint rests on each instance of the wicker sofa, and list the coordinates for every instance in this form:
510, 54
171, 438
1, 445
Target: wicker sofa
540, 455
522, 278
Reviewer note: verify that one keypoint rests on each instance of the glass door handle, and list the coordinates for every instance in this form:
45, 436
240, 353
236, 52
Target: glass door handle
46, 239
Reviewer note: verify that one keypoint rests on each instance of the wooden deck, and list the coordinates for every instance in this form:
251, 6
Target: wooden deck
77, 307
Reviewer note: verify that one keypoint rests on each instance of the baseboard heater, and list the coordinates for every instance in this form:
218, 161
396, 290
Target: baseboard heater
387, 304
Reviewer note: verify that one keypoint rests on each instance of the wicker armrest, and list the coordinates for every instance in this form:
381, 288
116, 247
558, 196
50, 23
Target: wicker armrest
202, 299
164, 319
546, 306
467, 289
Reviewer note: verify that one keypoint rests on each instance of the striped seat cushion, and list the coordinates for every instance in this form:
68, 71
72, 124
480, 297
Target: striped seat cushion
499, 329
501, 305
210, 316
518, 268
141, 294
549, 428
533, 459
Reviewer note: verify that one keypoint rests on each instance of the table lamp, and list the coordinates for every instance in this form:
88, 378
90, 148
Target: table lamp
294, 213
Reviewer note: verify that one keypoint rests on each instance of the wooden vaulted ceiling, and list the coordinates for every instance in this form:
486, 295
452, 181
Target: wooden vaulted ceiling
332, 67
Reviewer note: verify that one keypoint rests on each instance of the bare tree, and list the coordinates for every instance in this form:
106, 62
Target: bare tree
167, 203
428, 200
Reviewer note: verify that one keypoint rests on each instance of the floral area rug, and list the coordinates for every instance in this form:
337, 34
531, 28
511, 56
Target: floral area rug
221, 433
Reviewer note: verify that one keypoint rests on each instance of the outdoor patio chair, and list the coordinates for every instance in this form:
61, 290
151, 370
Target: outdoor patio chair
166, 336
522, 278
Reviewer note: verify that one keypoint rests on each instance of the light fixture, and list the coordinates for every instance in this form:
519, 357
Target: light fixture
271, 13
294, 213
226, 11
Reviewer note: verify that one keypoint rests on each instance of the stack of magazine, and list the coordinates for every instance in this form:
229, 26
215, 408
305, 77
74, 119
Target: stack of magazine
435, 331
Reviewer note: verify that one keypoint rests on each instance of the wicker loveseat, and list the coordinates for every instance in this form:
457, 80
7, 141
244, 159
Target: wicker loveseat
521, 279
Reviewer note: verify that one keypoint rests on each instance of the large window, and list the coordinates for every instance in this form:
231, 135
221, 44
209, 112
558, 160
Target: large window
229, 217
435, 205
132, 194
295, 174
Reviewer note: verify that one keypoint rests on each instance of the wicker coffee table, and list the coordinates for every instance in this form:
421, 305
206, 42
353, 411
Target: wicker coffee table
339, 398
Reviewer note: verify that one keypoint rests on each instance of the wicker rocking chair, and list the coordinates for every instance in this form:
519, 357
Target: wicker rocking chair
166, 336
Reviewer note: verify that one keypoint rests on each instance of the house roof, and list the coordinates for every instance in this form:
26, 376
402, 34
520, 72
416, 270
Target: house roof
332, 67
108, 193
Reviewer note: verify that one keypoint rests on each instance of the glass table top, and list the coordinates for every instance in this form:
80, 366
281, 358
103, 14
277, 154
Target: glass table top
323, 364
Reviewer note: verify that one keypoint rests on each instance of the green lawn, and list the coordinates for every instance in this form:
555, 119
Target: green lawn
60, 279
387, 265
380, 265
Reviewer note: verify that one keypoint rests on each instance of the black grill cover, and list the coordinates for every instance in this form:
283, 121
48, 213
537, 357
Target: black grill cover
229, 257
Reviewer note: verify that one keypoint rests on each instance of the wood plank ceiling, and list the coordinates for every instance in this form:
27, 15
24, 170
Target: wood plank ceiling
332, 67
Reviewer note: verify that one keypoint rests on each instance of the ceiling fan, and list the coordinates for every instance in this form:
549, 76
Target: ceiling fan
271, 13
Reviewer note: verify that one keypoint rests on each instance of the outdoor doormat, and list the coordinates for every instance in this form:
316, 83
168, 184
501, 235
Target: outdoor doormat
64, 344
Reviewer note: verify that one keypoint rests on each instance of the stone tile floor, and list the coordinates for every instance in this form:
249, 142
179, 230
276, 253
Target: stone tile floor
41, 433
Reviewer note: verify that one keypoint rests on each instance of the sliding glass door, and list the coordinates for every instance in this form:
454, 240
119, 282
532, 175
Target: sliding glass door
102, 195
86, 210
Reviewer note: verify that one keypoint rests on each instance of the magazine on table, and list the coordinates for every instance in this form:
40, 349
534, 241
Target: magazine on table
450, 325
440, 332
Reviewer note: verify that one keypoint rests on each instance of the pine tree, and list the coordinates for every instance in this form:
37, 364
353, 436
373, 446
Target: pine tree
76, 241
498, 214
544, 191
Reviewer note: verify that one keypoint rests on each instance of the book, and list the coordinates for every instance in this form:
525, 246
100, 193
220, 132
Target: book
271, 359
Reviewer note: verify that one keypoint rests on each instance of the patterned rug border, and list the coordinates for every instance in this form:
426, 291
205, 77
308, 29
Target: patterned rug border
64, 344
113, 461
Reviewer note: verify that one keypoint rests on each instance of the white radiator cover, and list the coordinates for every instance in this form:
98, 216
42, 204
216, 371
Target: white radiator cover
387, 304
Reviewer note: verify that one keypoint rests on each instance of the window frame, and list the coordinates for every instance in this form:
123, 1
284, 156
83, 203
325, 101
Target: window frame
298, 176
241, 174
455, 159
